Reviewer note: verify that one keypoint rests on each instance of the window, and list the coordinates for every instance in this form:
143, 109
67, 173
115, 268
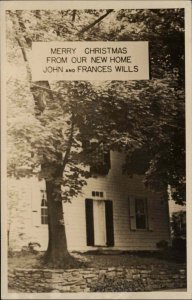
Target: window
44, 208
100, 164
97, 194
138, 213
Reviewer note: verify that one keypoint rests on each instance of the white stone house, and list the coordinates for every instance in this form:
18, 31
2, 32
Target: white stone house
114, 211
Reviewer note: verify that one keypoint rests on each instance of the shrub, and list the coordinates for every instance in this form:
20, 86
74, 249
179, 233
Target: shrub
162, 244
118, 285
11, 253
31, 248
178, 225
179, 244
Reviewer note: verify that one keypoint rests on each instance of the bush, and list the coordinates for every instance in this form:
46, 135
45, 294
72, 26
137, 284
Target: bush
179, 244
31, 248
11, 253
178, 225
172, 254
162, 244
118, 285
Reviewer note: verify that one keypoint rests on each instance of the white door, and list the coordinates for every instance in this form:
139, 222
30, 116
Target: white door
99, 222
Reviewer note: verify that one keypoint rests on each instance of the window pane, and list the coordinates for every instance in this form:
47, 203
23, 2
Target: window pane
140, 210
101, 164
44, 215
43, 202
43, 211
140, 206
140, 221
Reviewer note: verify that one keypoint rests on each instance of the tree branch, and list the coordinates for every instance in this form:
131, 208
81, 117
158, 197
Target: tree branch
96, 21
36, 89
45, 88
23, 28
22, 49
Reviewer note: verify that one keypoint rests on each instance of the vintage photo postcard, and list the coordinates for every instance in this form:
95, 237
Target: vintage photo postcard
96, 135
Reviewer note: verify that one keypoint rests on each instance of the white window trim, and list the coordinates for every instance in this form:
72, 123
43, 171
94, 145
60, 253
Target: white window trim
132, 214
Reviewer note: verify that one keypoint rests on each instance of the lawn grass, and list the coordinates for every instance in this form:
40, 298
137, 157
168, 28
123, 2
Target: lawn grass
25, 261
99, 259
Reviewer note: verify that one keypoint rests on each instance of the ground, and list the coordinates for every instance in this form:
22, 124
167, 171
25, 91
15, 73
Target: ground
158, 262
98, 259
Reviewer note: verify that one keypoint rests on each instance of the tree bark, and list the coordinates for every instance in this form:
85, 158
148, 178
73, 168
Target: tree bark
57, 253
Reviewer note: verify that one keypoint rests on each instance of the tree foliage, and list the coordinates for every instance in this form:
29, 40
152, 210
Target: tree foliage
151, 129
178, 224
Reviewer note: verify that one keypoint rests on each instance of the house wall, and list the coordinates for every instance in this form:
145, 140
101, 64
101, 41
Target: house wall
26, 227
119, 188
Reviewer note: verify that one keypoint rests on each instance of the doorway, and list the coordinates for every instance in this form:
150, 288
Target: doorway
99, 222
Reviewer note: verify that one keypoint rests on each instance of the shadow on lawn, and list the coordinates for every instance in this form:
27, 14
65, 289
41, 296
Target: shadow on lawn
169, 254
103, 258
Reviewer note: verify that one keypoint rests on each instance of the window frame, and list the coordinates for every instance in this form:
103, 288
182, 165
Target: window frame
145, 214
90, 224
132, 214
44, 209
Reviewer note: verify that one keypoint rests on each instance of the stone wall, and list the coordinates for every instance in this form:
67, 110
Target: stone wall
141, 278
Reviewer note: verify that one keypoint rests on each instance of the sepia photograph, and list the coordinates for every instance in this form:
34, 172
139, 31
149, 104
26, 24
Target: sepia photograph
94, 141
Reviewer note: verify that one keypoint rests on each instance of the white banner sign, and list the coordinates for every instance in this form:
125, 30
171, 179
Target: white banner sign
90, 61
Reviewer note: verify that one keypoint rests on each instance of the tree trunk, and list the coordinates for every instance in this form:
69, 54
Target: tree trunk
57, 253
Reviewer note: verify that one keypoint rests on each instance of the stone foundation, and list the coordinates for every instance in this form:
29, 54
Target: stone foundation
143, 277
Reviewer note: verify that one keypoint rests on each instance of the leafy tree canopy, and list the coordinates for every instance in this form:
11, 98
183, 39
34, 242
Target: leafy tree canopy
138, 117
